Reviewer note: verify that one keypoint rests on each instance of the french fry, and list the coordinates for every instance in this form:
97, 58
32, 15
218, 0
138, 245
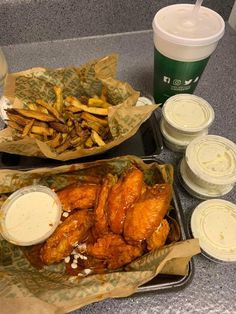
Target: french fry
15, 117
42, 131
14, 125
76, 103
50, 109
89, 117
36, 136
73, 109
60, 149
41, 123
32, 106
27, 128
97, 139
35, 115
59, 99
97, 102
56, 141
60, 127
89, 142
76, 141
94, 126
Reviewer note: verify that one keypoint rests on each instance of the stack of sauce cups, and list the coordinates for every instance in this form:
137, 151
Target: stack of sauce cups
208, 168
184, 118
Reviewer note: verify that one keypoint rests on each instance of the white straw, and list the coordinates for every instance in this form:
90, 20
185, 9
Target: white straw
196, 8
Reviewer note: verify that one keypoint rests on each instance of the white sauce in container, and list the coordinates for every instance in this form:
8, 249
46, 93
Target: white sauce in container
30, 215
208, 169
213, 222
185, 117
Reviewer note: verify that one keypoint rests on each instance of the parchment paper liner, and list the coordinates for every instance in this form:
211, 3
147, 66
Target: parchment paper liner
124, 118
22, 286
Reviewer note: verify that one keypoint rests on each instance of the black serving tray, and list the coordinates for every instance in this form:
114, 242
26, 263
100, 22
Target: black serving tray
170, 282
146, 142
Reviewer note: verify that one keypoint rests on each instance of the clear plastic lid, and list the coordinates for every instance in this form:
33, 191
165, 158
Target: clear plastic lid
213, 222
188, 113
212, 158
30, 215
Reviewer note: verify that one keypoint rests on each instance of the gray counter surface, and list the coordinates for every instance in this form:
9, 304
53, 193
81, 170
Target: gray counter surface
213, 288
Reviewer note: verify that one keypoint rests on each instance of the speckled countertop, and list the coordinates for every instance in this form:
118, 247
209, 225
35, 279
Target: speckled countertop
213, 288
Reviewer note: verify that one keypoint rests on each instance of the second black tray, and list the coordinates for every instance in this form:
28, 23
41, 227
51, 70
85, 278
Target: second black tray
146, 142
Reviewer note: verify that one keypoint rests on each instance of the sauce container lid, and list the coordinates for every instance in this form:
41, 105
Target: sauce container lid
213, 222
188, 113
213, 159
30, 215
197, 190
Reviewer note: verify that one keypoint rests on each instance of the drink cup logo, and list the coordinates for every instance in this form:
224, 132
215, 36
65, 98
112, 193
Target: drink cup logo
166, 79
188, 82
176, 82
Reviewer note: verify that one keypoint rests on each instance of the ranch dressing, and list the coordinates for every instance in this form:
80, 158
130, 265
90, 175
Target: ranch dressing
213, 222
208, 169
185, 117
30, 215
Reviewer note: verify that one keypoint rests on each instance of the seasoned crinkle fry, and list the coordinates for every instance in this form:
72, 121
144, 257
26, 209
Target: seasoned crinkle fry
67, 124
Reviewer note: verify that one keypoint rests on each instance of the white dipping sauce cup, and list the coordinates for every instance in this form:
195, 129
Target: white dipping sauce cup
30, 215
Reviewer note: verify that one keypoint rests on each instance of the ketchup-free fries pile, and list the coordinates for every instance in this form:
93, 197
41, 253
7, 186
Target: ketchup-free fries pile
68, 124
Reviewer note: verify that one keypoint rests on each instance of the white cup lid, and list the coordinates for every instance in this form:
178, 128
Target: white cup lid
213, 222
212, 158
188, 113
164, 19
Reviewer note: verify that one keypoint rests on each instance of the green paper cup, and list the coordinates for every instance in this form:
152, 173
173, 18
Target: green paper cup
183, 44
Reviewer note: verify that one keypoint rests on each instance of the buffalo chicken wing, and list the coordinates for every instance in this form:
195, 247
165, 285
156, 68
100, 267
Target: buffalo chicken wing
113, 249
147, 213
60, 244
123, 195
82, 196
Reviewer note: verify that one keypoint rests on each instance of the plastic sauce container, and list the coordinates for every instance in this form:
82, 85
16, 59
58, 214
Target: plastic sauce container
30, 215
185, 117
208, 169
213, 222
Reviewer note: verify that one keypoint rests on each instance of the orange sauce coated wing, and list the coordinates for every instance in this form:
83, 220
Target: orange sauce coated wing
147, 213
113, 249
60, 244
101, 226
123, 194
78, 196
159, 236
